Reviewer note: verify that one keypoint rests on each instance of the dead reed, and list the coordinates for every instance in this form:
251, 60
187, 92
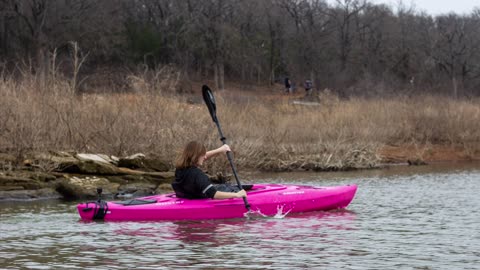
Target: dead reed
337, 135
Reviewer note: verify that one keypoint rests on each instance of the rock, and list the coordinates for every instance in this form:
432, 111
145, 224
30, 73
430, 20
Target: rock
88, 167
23, 182
99, 158
416, 162
134, 178
74, 163
101, 170
154, 177
42, 177
164, 188
117, 179
14, 195
140, 161
10, 188
85, 187
160, 177
137, 189
48, 161
135, 156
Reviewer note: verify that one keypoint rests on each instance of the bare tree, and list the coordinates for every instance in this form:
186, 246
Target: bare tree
310, 38
344, 45
343, 15
453, 49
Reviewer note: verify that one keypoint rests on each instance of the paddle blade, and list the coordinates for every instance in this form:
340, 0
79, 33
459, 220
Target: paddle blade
210, 101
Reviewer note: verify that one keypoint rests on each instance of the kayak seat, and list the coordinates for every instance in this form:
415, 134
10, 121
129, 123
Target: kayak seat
136, 202
247, 187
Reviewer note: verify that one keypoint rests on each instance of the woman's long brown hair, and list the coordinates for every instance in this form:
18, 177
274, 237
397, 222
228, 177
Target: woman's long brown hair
190, 155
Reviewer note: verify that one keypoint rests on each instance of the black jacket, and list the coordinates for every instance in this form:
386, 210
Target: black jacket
192, 183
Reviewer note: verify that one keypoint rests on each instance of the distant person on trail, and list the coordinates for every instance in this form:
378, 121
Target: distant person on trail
288, 85
192, 183
308, 87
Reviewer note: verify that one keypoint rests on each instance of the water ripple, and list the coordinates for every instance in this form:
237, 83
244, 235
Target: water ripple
399, 221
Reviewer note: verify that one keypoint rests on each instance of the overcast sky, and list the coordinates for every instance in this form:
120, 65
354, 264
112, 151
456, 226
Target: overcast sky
435, 7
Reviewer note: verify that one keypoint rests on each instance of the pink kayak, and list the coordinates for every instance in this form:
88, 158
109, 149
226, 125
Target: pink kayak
267, 199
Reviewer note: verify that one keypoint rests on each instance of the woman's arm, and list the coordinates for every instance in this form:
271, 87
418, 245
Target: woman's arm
222, 149
227, 195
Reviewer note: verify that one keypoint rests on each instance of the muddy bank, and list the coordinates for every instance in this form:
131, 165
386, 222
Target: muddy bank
424, 154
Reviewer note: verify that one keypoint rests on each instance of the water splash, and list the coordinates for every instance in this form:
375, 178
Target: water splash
254, 214
258, 214
280, 213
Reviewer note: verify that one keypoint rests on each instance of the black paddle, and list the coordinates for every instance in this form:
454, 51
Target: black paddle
212, 108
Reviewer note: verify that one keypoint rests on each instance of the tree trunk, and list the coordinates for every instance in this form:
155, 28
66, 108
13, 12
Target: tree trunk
259, 70
215, 76
455, 87
272, 77
221, 76
3, 35
42, 67
272, 56
243, 75
312, 78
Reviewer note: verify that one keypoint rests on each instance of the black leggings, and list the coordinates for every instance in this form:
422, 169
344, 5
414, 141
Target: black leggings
231, 188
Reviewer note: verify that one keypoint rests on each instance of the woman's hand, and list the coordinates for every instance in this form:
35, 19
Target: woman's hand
224, 148
241, 193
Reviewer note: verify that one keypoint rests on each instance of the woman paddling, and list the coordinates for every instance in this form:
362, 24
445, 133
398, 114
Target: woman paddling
190, 182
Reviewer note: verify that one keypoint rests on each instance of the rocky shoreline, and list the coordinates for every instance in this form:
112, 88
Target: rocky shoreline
77, 176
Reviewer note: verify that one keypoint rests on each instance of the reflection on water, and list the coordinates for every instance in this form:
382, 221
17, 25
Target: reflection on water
402, 218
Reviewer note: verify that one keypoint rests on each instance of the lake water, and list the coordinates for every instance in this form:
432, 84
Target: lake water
401, 218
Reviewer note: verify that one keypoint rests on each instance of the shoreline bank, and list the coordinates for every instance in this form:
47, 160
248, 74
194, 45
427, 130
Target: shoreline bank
31, 182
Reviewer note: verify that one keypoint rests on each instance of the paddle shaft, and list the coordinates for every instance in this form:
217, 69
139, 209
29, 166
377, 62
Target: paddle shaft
212, 108
230, 159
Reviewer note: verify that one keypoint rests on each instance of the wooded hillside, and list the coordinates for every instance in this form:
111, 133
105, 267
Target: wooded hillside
353, 47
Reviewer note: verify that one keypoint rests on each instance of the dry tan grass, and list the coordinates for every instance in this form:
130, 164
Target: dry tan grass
347, 134
273, 135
